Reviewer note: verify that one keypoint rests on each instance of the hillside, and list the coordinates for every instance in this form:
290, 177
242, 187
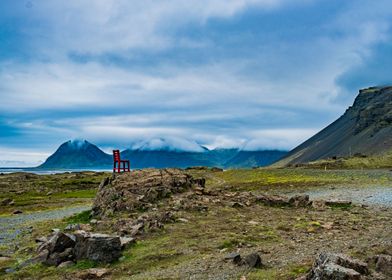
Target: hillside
365, 129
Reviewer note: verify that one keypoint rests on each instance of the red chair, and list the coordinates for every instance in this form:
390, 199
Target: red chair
117, 162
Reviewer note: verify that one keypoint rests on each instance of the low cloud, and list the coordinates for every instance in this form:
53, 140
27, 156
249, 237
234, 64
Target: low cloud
253, 74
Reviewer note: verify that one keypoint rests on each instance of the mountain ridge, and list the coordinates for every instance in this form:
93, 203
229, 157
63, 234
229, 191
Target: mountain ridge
78, 154
364, 129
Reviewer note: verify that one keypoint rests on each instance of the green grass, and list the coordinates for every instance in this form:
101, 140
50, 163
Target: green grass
32, 192
355, 162
90, 193
82, 218
85, 264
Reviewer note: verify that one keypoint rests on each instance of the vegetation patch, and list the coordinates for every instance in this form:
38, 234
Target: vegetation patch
82, 218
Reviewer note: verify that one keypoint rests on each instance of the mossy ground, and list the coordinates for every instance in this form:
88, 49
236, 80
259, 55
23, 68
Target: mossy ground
32, 192
286, 238
355, 162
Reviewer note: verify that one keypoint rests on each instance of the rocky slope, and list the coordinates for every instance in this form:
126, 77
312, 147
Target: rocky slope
365, 129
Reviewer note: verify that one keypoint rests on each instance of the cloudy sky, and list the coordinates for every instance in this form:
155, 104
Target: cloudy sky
223, 73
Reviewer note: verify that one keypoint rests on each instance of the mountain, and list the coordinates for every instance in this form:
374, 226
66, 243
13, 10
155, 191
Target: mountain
365, 129
164, 158
77, 154
158, 153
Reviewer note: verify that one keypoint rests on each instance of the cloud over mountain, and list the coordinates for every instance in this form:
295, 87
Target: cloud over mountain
248, 73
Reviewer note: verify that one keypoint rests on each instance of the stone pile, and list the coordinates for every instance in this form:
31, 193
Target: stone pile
64, 249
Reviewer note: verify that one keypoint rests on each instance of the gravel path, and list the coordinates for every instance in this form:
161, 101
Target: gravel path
373, 196
11, 227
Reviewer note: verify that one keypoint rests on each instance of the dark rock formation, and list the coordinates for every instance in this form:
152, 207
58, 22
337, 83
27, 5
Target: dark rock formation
97, 247
253, 260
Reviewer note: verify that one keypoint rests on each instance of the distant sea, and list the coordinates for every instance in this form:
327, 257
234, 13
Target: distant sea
8, 170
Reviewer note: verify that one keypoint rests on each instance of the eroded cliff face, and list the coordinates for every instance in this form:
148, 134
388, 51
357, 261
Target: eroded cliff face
365, 128
372, 109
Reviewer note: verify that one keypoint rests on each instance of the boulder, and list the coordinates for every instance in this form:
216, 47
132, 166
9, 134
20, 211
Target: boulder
59, 242
101, 248
57, 258
252, 260
234, 257
331, 271
16, 212
384, 264
62, 248
330, 266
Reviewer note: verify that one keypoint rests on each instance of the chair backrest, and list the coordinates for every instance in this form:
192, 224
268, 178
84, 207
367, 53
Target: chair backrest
116, 156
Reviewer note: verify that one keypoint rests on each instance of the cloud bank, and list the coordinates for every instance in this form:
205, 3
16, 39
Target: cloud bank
241, 73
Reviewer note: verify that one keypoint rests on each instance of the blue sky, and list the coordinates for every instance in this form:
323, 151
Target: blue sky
242, 73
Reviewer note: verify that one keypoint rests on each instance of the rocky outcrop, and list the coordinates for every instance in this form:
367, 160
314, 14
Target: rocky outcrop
337, 266
63, 249
138, 189
330, 266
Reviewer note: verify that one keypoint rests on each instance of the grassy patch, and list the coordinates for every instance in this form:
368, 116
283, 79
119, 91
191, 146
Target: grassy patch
229, 244
82, 218
77, 194
355, 162
31, 192
85, 264
291, 272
